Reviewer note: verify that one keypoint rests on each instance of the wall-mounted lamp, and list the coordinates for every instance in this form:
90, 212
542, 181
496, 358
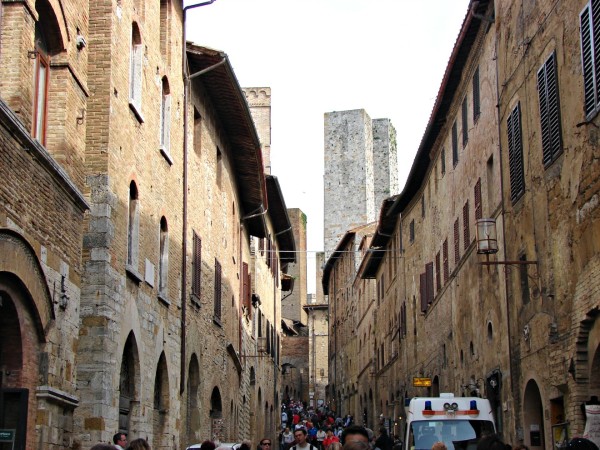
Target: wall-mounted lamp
487, 240
80, 42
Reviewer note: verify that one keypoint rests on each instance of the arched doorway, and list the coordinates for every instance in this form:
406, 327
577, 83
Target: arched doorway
216, 416
192, 413
161, 403
533, 416
128, 385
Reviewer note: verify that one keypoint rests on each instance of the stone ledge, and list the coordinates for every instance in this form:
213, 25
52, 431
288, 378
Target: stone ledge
57, 396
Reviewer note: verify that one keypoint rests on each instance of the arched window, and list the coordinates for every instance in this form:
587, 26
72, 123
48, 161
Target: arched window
135, 77
165, 9
165, 120
163, 262
133, 227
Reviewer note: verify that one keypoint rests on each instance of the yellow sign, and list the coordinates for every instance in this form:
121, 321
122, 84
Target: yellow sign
421, 382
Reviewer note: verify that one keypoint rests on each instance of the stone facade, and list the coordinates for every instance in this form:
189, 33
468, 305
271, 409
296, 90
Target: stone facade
508, 140
158, 312
358, 152
291, 304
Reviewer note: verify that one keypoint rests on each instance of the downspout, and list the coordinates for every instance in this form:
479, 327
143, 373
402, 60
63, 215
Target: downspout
186, 86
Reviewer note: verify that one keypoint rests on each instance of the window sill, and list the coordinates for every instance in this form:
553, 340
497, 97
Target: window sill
162, 297
136, 111
133, 274
166, 155
195, 300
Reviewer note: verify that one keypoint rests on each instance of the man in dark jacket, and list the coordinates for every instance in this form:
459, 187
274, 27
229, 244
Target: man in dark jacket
384, 442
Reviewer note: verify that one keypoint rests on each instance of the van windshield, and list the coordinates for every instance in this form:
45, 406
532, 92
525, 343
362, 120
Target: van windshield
456, 434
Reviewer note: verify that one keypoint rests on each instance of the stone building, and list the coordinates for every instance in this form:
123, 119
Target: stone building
318, 345
292, 304
157, 313
510, 314
360, 157
43, 91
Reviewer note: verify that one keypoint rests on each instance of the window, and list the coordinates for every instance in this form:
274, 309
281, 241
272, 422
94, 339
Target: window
247, 292
412, 231
589, 20
456, 243
423, 206
163, 262
476, 100
438, 272
217, 312
426, 287
135, 75
478, 207
549, 110
443, 160
41, 79
197, 265
445, 256
165, 120
133, 227
454, 145
197, 132
465, 123
219, 166
466, 231
515, 154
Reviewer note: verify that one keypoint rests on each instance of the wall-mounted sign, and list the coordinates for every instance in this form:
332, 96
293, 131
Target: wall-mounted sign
7, 435
421, 382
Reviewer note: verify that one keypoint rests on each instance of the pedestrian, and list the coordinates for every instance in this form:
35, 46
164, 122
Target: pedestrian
321, 435
103, 447
139, 444
288, 438
329, 439
301, 442
581, 444
247, 445
356, 445
208, 445
120, 441
263, 444
439, 445
384, 441
355, 433
491, 442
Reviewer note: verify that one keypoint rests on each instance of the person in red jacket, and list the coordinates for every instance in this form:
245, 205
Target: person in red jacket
329, 439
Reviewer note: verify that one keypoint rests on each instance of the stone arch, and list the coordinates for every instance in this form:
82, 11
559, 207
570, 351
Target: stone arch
192, 408
18, 258
52, 18
129, 385
19, 360
216, 415
533, 416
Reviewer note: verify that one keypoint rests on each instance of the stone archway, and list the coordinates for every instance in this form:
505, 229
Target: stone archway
218, 431
533, 417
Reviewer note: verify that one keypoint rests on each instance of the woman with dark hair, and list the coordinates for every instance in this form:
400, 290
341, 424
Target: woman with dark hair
139, 444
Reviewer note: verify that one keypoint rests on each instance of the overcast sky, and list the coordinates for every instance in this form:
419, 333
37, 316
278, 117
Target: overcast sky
385, 56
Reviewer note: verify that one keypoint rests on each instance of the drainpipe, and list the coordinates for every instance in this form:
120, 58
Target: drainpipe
186, 85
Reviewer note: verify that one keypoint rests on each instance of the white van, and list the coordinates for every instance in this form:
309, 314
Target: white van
459, 422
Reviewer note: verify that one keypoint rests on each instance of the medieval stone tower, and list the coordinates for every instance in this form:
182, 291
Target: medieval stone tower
361, 170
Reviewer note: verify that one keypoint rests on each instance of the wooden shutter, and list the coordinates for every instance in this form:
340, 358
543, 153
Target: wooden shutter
465, 123
246, 287
515, 154
217, 303
456, 243
549, 110
454, 145
478, 207
589, 19
429, 279
445, 256
137, 53
438, 272
443, 159
466, 231
423, 291
197, 265
476, 100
